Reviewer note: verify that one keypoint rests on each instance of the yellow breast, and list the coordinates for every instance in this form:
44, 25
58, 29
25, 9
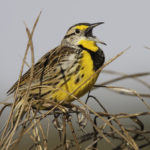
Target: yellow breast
79, 83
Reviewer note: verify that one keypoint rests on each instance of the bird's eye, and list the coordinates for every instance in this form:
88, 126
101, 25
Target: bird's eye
77, 31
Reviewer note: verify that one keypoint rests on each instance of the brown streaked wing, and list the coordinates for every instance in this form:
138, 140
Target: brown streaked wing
47, 68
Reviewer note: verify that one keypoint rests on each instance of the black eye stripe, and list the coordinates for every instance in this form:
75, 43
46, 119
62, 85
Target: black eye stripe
66, 36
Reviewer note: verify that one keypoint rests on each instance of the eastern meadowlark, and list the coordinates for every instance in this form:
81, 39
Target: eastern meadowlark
59, 75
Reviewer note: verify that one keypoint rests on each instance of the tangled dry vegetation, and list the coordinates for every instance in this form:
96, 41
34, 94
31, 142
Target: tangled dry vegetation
77, 126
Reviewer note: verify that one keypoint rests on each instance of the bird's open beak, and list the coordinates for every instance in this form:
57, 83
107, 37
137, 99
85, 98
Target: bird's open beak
89, 34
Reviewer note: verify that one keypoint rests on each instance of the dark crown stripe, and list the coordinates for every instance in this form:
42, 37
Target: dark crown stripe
78, 24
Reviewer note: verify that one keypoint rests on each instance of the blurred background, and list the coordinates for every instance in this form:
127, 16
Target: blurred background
127, 23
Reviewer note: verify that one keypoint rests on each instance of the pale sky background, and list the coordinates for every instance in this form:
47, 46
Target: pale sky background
127, 23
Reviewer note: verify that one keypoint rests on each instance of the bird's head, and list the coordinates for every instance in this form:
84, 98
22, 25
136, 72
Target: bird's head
80, 35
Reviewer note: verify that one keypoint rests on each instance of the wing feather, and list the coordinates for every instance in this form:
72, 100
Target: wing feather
48, 68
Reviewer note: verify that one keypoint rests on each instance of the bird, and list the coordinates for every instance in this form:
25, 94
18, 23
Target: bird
63, 73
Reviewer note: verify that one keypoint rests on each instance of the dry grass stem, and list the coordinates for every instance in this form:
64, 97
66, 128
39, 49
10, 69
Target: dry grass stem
77, 126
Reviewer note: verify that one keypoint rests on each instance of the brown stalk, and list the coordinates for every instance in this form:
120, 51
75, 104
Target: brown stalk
127, 135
